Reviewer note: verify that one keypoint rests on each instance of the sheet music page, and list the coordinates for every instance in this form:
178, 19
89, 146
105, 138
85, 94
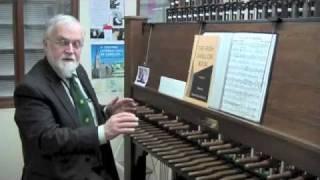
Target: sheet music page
219, 70
247, 74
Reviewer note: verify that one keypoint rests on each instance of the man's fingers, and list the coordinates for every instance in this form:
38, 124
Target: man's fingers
125, 115
127, 130
130, 109
121, 123
127, 101
123, 105
127, 119
128, 125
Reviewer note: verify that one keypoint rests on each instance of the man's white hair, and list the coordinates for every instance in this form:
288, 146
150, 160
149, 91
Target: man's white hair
60, 19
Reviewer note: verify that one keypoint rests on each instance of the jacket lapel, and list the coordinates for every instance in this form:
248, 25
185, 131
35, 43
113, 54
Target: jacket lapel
63, 97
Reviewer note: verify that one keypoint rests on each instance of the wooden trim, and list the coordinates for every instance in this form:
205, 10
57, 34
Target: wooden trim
18, 39
7, 77
132, 22
6, 102
6, 51
75, 8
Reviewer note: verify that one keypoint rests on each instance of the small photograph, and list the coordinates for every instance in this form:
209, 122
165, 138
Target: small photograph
96, 33
117, 18
114, 4
142, 76
118, 34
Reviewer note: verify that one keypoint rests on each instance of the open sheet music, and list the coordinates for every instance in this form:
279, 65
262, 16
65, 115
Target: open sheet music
240, 78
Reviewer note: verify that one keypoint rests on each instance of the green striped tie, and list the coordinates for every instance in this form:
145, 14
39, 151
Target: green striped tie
81, 103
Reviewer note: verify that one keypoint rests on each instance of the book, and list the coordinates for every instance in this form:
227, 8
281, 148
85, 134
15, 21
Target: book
202, 61
240, 77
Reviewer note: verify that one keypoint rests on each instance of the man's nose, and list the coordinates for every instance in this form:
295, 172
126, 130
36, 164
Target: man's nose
69, 48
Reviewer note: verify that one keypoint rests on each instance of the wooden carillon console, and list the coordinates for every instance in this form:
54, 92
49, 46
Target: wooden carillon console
201, 143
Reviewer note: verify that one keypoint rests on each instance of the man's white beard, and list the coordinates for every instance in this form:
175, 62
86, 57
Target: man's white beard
64, 68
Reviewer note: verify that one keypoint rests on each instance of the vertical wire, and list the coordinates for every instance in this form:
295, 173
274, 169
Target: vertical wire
200, 29
148, 47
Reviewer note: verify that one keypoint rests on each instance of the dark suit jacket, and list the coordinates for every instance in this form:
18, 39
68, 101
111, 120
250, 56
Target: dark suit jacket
55, 146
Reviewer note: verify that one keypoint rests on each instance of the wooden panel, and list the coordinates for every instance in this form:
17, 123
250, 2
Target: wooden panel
75, 8
176, 47
135, 41
171, 57
293, 102
18, 40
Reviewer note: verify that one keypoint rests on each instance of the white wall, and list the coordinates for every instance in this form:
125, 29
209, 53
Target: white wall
130, 8
11, 161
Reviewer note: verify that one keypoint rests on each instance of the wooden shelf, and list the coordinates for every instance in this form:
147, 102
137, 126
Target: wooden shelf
6, 2
6, 25
6, 51
34, 50
6, 77
6, 102
35, 26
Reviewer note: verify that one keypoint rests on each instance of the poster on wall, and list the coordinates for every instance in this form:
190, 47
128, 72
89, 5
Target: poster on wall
107, 21
107, 48
107, 60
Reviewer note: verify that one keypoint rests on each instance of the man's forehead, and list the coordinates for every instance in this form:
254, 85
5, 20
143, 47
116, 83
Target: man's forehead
68, 31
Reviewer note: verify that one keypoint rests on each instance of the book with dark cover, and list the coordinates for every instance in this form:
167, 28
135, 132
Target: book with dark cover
201, 84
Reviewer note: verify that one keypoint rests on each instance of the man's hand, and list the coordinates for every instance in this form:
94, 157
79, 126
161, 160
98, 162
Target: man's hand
121, 105
120, 123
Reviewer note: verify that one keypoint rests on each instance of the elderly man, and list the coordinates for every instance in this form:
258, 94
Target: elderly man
64, 130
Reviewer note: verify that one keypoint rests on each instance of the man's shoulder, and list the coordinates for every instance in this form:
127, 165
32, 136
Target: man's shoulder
35, 81
35, 72
36, 75
37, 67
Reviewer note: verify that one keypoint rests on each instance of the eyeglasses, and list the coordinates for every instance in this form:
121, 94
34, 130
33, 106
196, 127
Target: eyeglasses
76, 44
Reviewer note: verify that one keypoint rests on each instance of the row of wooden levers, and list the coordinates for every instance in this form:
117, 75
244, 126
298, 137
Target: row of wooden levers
219, 10
197, 154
